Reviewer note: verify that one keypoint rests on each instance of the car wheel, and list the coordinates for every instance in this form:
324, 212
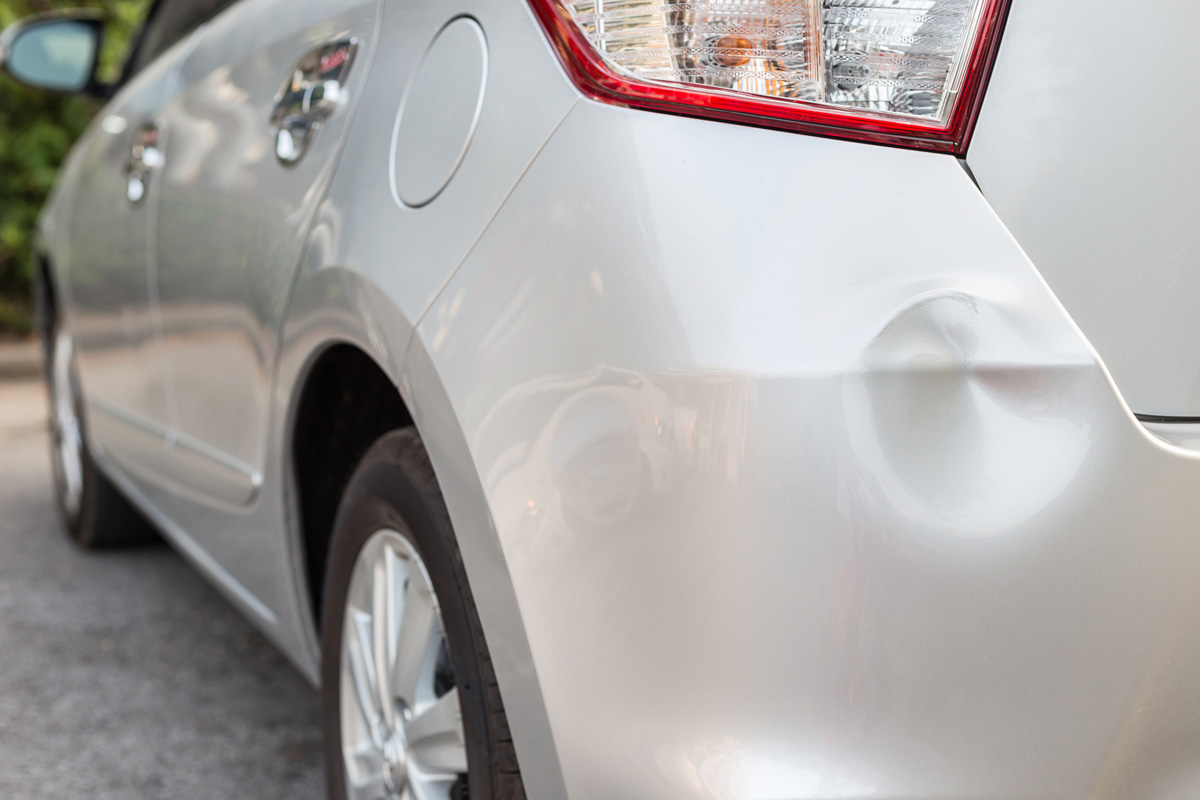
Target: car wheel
411, 705
93, 511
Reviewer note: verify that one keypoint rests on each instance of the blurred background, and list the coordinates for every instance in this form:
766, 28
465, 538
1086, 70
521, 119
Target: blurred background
122, 673
36, 131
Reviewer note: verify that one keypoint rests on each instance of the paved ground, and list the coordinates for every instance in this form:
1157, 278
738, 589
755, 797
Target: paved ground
20, 359
123, 675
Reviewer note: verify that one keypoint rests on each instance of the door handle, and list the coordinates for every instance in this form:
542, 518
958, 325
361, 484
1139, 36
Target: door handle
145, 156
309, 96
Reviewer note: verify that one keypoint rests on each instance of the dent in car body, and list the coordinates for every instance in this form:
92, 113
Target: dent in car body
894, 532
778, 471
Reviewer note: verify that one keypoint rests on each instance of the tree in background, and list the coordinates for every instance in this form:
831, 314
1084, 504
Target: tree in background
36, 131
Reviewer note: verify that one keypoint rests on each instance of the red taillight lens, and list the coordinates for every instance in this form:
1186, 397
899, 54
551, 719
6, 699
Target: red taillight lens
901, 72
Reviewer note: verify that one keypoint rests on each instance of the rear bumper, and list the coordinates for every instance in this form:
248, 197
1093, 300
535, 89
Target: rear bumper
807, 484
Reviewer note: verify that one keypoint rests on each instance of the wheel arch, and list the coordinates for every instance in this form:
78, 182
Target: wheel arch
339, 317
345, 403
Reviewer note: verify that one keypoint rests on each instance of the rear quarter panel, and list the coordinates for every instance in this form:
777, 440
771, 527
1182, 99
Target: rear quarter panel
1086, 147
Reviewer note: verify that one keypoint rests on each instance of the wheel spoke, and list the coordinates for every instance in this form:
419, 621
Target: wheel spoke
418, 630
372, 789
364, 773
435, 736
416, 790
427, 788
362, 669
395, 573
384, 618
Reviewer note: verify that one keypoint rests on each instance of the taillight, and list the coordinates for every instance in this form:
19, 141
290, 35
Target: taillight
903, 72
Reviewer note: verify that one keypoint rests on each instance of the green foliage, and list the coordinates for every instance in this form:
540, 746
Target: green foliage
36, 131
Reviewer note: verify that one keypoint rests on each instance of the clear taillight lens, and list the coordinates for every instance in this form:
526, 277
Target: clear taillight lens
896, 71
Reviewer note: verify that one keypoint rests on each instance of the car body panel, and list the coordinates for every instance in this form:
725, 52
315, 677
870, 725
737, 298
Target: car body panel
800, 504
233, 219
232, 226
372, 268
107, 276
777, 469
1092, 164
410, 253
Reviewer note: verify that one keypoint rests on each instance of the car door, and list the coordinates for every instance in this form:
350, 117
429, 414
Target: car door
254, 134
108, 258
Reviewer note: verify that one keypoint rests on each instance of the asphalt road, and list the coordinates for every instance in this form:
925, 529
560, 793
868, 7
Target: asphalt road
123, 674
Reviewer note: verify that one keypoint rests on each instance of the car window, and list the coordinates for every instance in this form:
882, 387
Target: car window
168, 22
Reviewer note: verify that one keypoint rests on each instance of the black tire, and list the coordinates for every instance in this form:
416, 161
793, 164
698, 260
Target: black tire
395, 488
101, 517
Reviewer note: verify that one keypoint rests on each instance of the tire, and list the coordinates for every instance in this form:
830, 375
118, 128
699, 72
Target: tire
94, 512
393, 501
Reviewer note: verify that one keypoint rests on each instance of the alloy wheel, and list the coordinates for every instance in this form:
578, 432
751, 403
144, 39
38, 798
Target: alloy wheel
401, 725
67, 432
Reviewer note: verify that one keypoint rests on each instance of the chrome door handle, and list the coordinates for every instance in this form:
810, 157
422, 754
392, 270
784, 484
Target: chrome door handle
309, 96
145, 156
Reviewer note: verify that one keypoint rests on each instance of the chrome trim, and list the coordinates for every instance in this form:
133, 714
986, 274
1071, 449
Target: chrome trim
155, 452
137, 444
310, 95
213, 472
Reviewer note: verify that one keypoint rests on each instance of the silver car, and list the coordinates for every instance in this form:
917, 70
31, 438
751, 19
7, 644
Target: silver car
658, 399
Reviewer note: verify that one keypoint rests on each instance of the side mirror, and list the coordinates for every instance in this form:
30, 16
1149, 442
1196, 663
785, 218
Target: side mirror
54, 52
